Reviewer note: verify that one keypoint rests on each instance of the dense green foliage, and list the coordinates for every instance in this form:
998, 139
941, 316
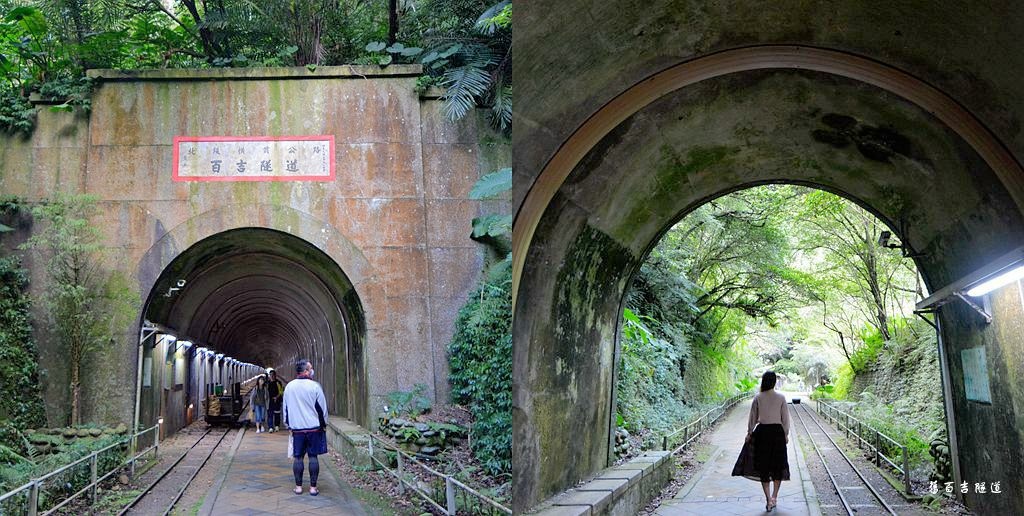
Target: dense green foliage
480, 358
63, 484
775, 277
408, 403
19, 370
46, 45
898, 389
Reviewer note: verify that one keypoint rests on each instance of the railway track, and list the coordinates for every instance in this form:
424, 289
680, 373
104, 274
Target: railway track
162, 495
855, 492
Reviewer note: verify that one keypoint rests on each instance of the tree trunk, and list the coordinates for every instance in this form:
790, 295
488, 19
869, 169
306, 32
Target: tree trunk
76, 395
392, 21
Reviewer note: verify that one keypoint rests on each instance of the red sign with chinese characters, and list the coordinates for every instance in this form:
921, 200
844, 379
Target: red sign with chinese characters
254, 158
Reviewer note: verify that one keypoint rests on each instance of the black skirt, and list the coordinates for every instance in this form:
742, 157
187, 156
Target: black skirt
764, 458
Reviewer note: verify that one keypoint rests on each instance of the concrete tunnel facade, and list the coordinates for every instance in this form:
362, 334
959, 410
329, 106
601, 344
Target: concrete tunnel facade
363, 274
663, 108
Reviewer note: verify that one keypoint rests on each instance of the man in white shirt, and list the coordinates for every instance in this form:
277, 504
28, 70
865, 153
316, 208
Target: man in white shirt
305, 413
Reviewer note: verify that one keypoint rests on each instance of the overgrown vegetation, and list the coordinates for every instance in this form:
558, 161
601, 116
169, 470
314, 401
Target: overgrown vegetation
785, 278
480, 357
86, 304
46, 45
480, 353
19, 370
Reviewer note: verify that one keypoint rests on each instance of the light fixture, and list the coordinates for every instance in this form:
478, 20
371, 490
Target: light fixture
1003, 279
997, 273
160, 421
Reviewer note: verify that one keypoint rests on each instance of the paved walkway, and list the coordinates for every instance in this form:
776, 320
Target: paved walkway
715, 491
259, 481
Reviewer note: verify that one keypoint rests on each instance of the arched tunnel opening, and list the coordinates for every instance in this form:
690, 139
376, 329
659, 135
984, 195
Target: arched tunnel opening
671, 144
240, 302
798, 279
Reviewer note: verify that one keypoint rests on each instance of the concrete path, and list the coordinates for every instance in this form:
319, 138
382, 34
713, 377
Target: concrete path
259, 480
715, 491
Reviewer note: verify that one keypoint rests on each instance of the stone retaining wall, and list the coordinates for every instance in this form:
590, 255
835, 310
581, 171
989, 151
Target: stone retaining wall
620, 490
350, 440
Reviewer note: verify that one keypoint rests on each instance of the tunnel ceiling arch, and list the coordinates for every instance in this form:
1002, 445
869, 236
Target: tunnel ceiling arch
269, 298
680, 150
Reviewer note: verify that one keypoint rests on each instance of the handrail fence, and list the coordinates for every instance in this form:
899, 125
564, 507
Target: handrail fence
443, 492
689, 432
36, 490
867, 436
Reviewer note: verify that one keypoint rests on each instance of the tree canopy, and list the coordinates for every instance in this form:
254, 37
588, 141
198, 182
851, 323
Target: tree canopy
46, 45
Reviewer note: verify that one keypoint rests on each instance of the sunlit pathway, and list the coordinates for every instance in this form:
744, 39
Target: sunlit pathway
715, 491
259, 481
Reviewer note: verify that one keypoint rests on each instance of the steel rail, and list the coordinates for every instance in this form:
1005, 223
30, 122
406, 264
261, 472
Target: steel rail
145, 492
188, 482
855, 470
831, 477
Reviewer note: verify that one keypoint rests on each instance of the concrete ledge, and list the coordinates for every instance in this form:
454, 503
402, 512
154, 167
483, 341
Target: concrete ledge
350, 440
258, 73
620, 490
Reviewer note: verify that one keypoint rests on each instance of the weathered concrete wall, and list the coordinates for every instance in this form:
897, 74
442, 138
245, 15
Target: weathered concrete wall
396, 219
990, 435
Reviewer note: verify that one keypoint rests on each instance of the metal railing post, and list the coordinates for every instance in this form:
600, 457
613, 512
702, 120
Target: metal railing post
33, 499
878, 442
449, 495
92, 473
664, 443
906, 469
134, 449
401, 480
156, 439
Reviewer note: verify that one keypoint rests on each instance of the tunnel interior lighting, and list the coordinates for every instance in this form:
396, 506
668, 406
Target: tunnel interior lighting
1011, 275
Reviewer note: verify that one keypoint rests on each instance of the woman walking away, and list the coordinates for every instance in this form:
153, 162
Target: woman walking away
259, 398
763, 457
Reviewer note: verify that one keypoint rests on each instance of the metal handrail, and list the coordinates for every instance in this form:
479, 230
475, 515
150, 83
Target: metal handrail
452, 486
702, 422
34, 485
847, 422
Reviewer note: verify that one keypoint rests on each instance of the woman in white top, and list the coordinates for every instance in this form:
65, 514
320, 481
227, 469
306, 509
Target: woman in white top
764, 456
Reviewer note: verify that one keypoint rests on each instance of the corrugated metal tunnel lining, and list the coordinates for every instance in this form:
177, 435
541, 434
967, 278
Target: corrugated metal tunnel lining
269, 298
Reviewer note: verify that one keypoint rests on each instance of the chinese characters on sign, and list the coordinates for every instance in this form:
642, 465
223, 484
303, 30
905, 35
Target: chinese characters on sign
965, 487
231, 158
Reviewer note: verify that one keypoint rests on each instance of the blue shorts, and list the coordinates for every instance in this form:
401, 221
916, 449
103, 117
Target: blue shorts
313, 443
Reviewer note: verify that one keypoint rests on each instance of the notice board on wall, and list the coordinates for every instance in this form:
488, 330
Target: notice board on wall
975, 374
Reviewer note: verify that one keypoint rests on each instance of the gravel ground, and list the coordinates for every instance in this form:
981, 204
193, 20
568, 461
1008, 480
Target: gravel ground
458, 458
829, 501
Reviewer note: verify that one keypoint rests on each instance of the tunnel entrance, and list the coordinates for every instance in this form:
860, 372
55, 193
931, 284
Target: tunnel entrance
241, 301
696, 131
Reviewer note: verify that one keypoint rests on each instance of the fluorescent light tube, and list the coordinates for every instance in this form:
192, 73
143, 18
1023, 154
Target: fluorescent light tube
1003, 279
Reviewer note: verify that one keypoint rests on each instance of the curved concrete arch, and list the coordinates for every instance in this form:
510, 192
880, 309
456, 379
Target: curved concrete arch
285, 219
759, 57
261, 294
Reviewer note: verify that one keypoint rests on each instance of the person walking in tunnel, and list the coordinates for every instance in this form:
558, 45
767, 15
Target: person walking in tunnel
259, 399
763, 457
275, 389
305, 413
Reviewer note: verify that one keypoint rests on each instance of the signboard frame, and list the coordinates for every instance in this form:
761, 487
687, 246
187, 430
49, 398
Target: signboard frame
178, 140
